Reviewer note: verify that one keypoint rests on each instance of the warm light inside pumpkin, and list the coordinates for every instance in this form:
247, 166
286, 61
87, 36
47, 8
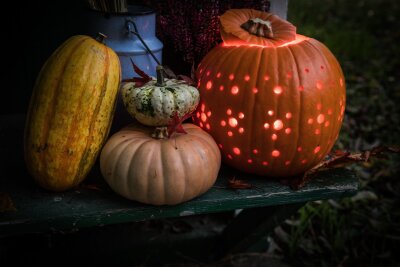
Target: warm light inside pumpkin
275, 153
278, 90
299, 39
209, 85
235, 90
232, 120
236, 150
320, 118
278, 125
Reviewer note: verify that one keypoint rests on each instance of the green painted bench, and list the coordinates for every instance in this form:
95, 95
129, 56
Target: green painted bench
94, 204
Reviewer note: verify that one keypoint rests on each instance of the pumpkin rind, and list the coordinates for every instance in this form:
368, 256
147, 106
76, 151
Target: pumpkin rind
160, 171
70, 112
273, 110
154, 105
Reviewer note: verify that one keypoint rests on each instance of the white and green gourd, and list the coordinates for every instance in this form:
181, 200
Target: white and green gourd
157, 101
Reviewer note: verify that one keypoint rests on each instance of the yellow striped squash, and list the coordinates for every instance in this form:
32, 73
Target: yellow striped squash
70, 112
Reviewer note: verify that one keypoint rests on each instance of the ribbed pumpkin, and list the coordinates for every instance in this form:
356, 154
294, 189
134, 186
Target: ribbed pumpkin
70, 112
273, 100
154, 104
160, 171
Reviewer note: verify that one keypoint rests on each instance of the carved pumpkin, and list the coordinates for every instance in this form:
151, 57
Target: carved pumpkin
160, 171
70, 112
273, 100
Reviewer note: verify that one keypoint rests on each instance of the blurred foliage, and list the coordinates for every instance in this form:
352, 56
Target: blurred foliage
364, 37
363, 230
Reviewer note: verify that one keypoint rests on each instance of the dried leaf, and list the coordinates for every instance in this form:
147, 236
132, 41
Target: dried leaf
186, 79
234, 183
175, 124
6, 203
94, 187
339, 159
140, 81
169, 73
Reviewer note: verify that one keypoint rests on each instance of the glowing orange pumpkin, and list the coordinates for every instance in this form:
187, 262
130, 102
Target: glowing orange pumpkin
273, 100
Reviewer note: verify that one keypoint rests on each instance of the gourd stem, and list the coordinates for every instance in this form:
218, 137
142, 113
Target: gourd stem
160, 133
258, 27
101, 37
160, 76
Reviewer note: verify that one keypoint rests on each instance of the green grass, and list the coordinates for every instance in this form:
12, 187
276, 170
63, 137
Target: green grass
363, 230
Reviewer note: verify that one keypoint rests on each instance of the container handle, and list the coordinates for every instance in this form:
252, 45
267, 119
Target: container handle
135, 31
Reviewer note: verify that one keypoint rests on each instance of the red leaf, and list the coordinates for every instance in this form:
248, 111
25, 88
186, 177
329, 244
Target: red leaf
175, 124
139, 71
238, 184
139, 81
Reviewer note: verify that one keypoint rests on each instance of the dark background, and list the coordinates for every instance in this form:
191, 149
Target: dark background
363, 34
32, 30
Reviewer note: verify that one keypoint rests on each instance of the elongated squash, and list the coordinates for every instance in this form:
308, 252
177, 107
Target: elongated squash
70, 112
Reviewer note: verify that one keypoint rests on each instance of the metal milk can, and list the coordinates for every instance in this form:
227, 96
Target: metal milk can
131, 35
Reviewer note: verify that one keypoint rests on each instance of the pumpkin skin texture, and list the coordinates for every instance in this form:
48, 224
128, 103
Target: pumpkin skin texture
70, 112
274, 110
160, 171
154, 105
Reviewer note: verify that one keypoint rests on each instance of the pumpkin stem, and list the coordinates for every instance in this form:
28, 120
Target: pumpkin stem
160, 133
101, 37
160, 76
258, 27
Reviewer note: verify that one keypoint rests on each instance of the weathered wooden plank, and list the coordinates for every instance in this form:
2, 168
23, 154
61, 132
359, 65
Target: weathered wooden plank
40, 211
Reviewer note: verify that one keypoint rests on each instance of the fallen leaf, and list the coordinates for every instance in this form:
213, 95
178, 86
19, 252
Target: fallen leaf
339, 159
238, 184
6, 203
94, 187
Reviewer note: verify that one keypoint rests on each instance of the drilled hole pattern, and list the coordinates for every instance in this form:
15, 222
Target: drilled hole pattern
275, 142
